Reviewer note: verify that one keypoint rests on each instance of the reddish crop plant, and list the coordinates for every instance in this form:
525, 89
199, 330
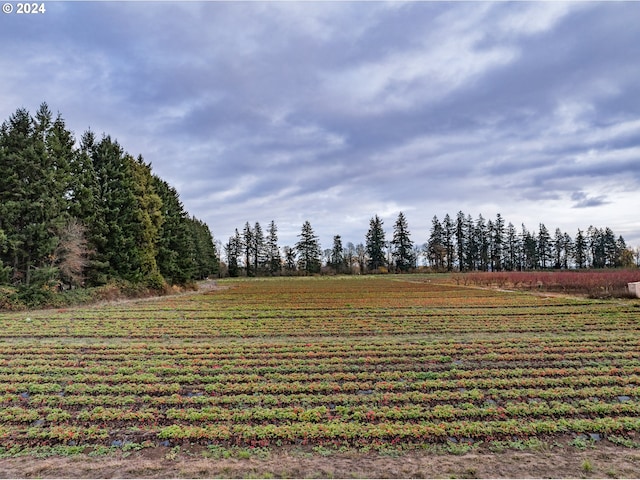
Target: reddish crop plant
372, 362
594, 283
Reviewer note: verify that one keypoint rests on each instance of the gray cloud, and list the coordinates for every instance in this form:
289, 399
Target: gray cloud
336, 111
584, 201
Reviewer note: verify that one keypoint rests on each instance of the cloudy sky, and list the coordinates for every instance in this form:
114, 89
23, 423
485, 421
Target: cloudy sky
333, 112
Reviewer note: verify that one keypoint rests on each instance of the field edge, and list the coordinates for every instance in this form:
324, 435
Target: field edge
598, 461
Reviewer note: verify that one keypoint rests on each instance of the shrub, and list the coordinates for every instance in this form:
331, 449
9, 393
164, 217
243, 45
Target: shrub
9, 299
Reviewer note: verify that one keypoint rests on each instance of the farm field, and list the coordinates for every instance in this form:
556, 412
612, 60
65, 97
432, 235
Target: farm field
403, 367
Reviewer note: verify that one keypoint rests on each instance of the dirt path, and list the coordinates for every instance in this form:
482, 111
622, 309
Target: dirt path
600, 462
204, 286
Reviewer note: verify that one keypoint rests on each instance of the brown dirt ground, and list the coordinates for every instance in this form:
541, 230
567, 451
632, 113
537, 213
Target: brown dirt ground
603, 461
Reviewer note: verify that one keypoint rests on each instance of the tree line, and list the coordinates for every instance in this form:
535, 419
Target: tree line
463, 244
78, 215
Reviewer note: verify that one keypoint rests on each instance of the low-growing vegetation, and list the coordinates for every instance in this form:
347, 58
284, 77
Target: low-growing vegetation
593, 283
388, 364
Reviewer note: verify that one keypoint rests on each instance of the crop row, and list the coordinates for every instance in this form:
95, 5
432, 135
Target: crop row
345, 361
498, 396
331, 326
159, 388
585, 408
445, 366
567, 307
439, 379
232, 350
349, 433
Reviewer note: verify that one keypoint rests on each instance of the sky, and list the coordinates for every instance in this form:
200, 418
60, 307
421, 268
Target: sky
334, 112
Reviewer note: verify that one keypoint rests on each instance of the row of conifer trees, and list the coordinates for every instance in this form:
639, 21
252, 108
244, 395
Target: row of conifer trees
454, 244
88, 213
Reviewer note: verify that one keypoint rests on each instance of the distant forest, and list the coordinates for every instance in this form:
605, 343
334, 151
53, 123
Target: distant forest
460, 244
88, 215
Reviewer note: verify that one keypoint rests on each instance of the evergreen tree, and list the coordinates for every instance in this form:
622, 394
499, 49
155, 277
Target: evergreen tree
60, 148
175, 246
147, 222
567, 250
472, 247
513, 249
623, 257
611, 250
234, 251
481, 234
85, 205
83, 201
449, 230
67, 213
205, 254
117, 212
402, 245
274, 260
461, 241
248, 244
596, 247
34, 182
375, 245
336, 258
497, 243
5, 271
259, 253
580, 250
436, 248
308, 249
529, 249
544, 247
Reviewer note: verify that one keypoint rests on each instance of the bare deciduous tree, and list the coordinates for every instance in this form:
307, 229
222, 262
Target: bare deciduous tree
71, 255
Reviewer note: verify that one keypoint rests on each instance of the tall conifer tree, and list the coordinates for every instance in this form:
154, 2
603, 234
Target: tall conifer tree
274, 259
308, 248
375, 245
402, 245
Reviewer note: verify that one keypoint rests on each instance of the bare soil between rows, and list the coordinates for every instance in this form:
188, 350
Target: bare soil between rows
602, 461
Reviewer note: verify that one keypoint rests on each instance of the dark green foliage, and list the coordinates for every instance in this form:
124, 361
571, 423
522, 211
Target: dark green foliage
176, 247
248, 245
402, 245
545, 253
336, 260
34, 182
274, 260
461, 241
487, 245
5, 271
375, 245
234, 251
496, 234
308, 249
580, 250
512, 256
204, 253
74, 216
436, 249
259, 250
